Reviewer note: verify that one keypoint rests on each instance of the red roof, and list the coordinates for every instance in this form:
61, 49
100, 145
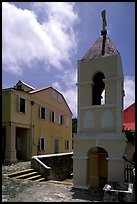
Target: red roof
129, 118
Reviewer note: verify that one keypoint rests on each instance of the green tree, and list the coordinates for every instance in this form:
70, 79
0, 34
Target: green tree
74, 125
130, 135
74, 128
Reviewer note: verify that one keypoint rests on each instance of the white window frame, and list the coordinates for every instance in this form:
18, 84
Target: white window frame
41, 138
41, 112
20, 97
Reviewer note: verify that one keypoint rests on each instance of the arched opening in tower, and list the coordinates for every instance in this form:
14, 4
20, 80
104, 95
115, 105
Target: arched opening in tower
98, 88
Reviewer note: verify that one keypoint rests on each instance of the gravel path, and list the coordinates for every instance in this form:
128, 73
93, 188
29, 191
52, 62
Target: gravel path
49, 191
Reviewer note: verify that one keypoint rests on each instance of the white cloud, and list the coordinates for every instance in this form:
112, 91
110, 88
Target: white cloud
129, 87
66, 84
68, 77
69, 91
57, 86
25, 38
71, 98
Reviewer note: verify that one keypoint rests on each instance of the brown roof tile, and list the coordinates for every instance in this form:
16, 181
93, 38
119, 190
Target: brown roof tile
96, 50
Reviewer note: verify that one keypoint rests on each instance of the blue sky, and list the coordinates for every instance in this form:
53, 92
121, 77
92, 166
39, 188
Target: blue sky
42, 41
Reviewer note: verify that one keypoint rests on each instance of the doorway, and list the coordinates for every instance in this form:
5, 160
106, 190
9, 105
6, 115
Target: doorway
97, 167
22, 144
56, 146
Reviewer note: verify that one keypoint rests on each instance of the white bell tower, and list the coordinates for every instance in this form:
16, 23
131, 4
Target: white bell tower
99, 145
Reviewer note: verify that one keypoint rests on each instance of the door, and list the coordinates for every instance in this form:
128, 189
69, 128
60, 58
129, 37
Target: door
97, 167
56, 146
103, 168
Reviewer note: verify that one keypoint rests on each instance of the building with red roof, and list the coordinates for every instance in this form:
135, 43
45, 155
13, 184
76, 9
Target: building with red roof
129, 118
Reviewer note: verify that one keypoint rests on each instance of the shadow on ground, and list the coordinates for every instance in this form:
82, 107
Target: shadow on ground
90, 194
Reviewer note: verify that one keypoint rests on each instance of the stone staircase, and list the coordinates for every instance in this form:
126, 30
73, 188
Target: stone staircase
27, 175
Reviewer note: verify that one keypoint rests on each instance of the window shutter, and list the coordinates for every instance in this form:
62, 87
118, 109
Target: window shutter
18, 104
51, 116
40, 112
54, 116
59, 119
45, 113
62, 119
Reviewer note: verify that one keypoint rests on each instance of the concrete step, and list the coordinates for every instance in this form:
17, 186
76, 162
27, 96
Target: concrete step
19, 172
34, 177
40, 180
27, 175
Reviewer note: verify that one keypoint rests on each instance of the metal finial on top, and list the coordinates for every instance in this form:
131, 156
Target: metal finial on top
104, 31
104, 22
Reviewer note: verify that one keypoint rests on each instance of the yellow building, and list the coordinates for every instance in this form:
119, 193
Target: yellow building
34, 122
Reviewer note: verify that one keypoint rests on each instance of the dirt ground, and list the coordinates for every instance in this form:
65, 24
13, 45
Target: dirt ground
51, 191
14, 190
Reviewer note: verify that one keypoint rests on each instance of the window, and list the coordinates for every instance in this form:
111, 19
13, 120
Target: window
61, 119
21, 104
42, 112
20, 87
42, 144
67, 144
53, 116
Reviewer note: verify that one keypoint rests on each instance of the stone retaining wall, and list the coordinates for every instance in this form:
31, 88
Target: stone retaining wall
56, 166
